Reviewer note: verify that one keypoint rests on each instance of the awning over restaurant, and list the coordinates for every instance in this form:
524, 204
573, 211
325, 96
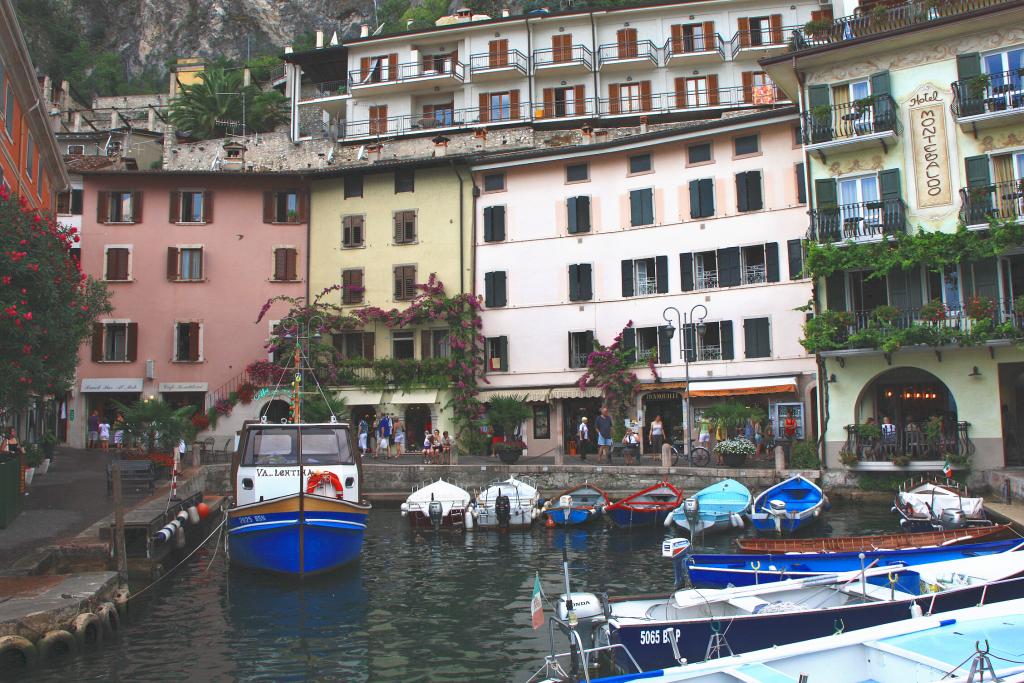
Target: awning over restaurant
744, 387
661, 386
528, 395
359, 397
407, 397
575, 392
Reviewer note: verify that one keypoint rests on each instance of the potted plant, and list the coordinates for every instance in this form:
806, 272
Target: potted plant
158, 426
885, 314
900, 460
49, 444
507, 413
735, 451
246, 393
33, 458
980, 308
818, 28
978, 85
848, 458
934, 311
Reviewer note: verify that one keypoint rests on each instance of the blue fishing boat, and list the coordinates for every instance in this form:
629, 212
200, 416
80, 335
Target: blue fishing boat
577, 505
714, 509
788, 506
748, 570
648, 507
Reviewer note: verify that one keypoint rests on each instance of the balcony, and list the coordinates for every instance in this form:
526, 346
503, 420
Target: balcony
441, 120
860, 222
498, 66
572, 59
695, 100
758, 43
999, 201
853, 125
626, 56
694, 50
706, 279
933, 441
567, 109
709, 352
329, 95
989, 100
646, 286
409, 77
754, 275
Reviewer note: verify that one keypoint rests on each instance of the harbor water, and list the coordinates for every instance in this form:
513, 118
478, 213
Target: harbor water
421, 607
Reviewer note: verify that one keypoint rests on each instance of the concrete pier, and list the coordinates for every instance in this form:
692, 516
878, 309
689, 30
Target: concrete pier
44, 603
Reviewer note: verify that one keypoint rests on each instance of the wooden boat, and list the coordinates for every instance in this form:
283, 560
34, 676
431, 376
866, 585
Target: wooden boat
936, 504
788, 506
577, 505
713, 509
648, 507
853, 544
439, 505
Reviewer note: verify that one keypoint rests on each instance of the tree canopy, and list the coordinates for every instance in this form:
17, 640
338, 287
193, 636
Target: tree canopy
203, 108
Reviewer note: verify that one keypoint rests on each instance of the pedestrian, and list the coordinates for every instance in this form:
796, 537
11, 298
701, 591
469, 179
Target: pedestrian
604, 435
94, 430
748, 430
11, 446
364, 434
583, 438
384, 435
656, 434
758, 438
399, 439
446, 448
104, 434
428, 447
631, 443
435, 438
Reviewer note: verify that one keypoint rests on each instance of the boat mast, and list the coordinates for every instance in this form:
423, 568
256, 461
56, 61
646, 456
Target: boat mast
297, 419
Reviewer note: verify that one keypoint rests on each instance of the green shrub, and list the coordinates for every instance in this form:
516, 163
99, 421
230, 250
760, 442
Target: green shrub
805, 456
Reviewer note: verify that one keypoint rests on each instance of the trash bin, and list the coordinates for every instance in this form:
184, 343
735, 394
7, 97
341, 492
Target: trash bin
10, 490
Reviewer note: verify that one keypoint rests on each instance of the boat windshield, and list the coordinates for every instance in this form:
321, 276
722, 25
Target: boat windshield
277, 446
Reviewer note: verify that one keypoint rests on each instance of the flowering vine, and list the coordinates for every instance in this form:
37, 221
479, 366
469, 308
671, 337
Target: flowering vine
609, 369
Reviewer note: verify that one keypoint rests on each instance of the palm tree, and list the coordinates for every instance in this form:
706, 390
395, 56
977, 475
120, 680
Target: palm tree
219, 95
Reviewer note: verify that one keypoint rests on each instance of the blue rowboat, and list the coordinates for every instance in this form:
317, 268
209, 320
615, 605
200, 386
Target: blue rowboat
788, 506
648, 507
714, 509
748, 570
577, 505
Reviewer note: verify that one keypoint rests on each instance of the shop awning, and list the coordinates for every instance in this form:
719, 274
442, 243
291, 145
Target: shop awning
528, 395
407, 397
744, 387
575, 392
661, 386
359, 397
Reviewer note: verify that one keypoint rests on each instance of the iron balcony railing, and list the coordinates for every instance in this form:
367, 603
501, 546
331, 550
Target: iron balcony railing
439, 119
633, 102
989, 94
640, 49
913, 440
318, 91
487, 61
571, 54
696, 44
862, 220
755, 39
933, 315
564, 109
706, 279
850, 120
646, 285
709, 352
983, 203
754, 275
383, 72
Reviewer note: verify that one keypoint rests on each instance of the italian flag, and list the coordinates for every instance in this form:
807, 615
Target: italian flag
947, 470
536, 606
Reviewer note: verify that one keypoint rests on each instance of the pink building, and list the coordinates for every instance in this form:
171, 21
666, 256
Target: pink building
189, 258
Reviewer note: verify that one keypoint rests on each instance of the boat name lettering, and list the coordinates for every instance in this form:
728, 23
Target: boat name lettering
277, 472
657, 637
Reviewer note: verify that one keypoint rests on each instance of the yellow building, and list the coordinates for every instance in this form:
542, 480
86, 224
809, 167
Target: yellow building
379, 234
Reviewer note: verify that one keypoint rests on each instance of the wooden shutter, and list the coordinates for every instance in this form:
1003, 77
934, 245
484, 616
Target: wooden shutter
771, 261
775, 28
364, 69
725, 339
755, 199
202, 264
680, 83
497, 223
503, 353
561, 47
645, 95
580, 99
586, 287
744, 31
501, 288
302, 201
626, 38
742, 201
629, 339
102, 207
485, 111
795, 250
707, 197
208, 206
729, 267
574, 283
686, 271
549, 103
111, 265
748, 86
489, 224
880, 83
689, 333
498, 53
133, 342
97, 342
968, 65
426, 348
136, 207
369, 345
392, 67
709, 37
751, 338
822, 14
664, 345
712, 81
889, 184
801, 184
978, 172
582, 214
677, 38
571, 217
280, 264
291, 264
613, 98
627, 277
399, 232
193, 342
172, 263
399, 292
661, 274
825, 193
835, 291
513, 104
174, 208
268, 207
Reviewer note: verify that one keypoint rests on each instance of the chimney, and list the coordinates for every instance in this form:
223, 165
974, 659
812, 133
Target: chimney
288, 49
364, 30
505, 12
77, 125
463, 15
113, 119
246, 76
319, 39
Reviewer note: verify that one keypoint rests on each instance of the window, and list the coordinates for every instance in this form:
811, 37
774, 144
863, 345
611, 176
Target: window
499, 106
581, 345
283, 206
405, 181
578, 214
641, 207
70, 203
715, 344
494, 182
435, 115
497, 354
187, 337
756, 31
376, 125
577, 173
699, 153
757, 342
581, 286
30, 157
748, 191
702, 198
692, 37
115, 342
185, 264
403, 346
701, 91
352, 231
352, 286
192, 207
647, 343
405, 227
746, 144
496, 289
541, 421
640, 163
705, 270
759, 263
78, 150
567, 101
118, 268
354, 186
285, 264
757, 87
435, 344
641, 277
627, 98
378, 68
494, 223
405, 283
119, 207
801, 184
352, 345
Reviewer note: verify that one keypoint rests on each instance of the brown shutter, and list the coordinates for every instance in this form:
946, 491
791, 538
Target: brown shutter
410, 281
174, 209
292, 259
133, 342
497, 53
302, 199
357, 281
136, 207
208, 207
680, 93
172, 263
120, 264
513, 104
268, 207
613, 98
744, 24
677, 38
580, 96
822, 15
102, 207
364, 68
626, 40
111, 264
193, 342
280, 264
425, 344
549, 103
392, 67
709, 36
398, 283
775, 26
202, 264
748, 86
712, 89
427, 62
484, 108
645, 95
97, 340
368, 345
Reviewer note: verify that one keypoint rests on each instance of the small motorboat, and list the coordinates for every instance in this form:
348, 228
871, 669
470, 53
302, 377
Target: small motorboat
854, 544
788, 506
440, 505
747, 570
648, 507
714, 509
577, 505
509, 504
935, 505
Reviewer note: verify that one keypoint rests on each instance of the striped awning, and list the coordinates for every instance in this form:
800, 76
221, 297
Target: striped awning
744, 387
575, 392
528, 395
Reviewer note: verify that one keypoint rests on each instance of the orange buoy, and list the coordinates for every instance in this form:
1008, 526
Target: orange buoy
203, 509
549, 523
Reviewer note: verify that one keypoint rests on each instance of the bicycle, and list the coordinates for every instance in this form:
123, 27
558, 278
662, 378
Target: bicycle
698, 456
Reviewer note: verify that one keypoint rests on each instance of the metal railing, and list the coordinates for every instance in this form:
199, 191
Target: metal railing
324, 89
687, 45
933, 315
913, 440
862, 220
486, 61
382, 72
847, 121
696, 99
566, 109
989, 94
614, 52
709, 352
439, 120
983, 203
754, 275
759, 39
573, 54
646, 285
706, 279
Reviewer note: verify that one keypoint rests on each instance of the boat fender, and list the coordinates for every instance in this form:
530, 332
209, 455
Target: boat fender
736, 520
166, 532
669, 518
56, 644
15, 648
469, 519
828, 503
88, 630
915, 611
404, 508
179, 537
193, 515
121, 600
110, 618
534, 514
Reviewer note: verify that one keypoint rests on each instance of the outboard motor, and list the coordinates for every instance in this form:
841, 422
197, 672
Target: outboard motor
777, 509
565, 501
436, 514
953, 518
590, 613
503, 510
677, 549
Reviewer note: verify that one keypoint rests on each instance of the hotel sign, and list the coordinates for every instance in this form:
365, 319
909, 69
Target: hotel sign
165, 387
111, 386
930, 149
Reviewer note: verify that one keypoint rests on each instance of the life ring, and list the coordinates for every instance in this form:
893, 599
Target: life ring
317, 478
16, 651
88, 630
107, 613
56, 644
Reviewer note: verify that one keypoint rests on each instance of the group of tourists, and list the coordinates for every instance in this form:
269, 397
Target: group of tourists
100, 431
383, 435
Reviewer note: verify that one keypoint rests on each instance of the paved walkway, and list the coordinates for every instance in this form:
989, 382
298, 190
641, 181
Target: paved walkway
549, 459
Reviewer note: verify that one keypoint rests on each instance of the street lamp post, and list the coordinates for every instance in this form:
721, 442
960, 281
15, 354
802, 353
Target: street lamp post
696, 318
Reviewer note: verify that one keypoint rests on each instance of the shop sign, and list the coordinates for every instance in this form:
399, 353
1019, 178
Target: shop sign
167, 387
663, 396
118, 385
931, 149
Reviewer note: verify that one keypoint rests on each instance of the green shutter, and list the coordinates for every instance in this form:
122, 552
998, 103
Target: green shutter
488, 224
689, 333
729, 267
826, 195
695, 210
664, 345
801, 184
499, 223
818, 96
629, 340
818, 122
795, 251
883, 114
741, 192
707, 197
880, 83
889, 183
488, 290
978, 171
978, 207
771, 261
835, 291
686, 271
968, 65
570, 205
583, 214
985, 274
635, 209
755, 202
627, 277
503, 353
899, 289
749, 338
574, 287
725, 338
661, 274
586, 287
972, 98
501, 288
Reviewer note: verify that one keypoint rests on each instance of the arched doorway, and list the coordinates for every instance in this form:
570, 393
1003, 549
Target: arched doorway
276, 410
417, 422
